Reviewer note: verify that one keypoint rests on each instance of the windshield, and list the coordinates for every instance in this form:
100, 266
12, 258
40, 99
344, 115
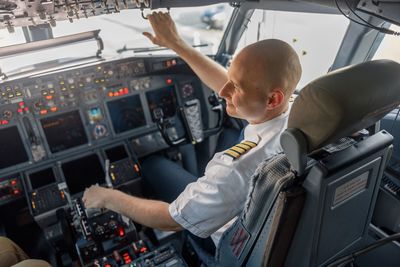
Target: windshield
315, 37
197, 25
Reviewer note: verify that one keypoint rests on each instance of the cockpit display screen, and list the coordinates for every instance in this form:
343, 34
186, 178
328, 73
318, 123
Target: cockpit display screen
64, 131
11, 147
163, 98
83, 172
42, 178
126, 113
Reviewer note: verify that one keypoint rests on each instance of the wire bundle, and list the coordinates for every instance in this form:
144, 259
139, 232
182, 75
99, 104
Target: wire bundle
362, 21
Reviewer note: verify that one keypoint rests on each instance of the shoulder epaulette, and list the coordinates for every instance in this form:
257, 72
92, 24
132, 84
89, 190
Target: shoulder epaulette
240, 149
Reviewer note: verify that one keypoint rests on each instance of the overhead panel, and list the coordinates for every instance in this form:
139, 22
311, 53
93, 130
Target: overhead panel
36, 12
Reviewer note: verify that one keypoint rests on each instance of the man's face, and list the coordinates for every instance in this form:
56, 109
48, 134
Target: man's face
245, 97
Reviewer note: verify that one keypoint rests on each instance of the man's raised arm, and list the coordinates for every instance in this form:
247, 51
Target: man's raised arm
166, 34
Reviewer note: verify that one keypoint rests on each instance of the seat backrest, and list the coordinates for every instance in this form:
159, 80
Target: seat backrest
341, 191
338, 187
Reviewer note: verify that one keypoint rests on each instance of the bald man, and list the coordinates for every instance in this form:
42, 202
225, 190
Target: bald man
257, 88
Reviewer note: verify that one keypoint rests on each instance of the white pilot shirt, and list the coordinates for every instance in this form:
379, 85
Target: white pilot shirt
211, 204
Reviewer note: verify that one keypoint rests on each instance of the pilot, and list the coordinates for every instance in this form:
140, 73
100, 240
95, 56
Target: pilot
257, 88
12, 255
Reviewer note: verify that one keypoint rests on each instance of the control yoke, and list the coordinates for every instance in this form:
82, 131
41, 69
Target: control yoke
191, 115
218, 106
163, 125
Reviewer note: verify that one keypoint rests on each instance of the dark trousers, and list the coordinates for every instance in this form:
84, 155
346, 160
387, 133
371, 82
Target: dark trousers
166, 180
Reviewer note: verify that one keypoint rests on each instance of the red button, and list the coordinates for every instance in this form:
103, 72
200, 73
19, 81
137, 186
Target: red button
121, 232
19, 110
13, 182
127, 258
21, 104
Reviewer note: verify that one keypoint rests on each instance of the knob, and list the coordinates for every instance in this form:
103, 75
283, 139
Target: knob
113, 225
99, 131
7, 114
99, 230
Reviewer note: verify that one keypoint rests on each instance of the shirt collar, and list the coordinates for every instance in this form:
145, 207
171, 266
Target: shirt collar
254, 132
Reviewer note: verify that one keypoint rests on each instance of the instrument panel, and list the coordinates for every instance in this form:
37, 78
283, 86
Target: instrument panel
61, 127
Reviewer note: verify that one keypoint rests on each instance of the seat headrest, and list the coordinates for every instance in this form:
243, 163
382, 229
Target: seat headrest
345, 101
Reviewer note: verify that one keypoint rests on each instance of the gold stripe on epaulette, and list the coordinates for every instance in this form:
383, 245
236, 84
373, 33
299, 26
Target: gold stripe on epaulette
239, 149
233, 150
232, 153
252, 144
244, 146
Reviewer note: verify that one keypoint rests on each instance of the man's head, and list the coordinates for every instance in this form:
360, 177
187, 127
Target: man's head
261, 79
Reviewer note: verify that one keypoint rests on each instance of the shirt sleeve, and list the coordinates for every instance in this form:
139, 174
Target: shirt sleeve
210, 202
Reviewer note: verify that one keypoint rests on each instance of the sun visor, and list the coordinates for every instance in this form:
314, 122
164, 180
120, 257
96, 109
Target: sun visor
346, 101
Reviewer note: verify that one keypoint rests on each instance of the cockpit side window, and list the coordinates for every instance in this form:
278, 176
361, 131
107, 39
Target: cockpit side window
389, 47
315, 37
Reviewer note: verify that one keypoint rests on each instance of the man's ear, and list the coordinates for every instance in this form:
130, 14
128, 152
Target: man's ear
275, 98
